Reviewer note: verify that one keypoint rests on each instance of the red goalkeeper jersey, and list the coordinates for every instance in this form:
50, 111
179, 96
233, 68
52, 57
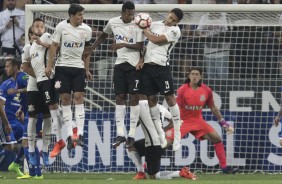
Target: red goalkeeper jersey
191, 101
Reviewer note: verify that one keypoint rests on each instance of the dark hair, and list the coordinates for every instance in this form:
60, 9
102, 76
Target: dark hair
178, 12
128, 5
74, 8
38, 19
15, 62
187, 81
30, 32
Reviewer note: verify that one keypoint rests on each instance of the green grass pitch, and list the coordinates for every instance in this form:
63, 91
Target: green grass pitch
108, 178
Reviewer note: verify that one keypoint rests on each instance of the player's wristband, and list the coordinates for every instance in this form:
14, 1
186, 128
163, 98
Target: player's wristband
222, 122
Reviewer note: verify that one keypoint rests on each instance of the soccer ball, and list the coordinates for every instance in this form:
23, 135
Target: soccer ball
143, 20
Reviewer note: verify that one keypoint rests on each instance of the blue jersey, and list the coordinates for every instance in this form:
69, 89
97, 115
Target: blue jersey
21, 80
12, 101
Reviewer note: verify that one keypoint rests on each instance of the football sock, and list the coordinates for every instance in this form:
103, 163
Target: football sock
38, 167
55, 115
220, 153
31, 133
136, 159
31, 168
120, 114
20, 156
46, 136
175, 113
134, 117
67, 118
79, 118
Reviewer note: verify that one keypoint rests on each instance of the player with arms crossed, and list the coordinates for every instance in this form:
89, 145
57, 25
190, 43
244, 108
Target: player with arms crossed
156, 73
129, 42
191, 98
72, 67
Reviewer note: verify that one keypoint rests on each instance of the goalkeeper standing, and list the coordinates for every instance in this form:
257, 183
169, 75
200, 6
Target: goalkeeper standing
191, 98
128, 44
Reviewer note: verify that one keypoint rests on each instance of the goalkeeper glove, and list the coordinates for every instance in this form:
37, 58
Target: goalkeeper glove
228, 128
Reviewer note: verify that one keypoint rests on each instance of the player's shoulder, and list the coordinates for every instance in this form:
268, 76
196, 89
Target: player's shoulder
6, 83
205, 87
115, 19
86, 26
63, 23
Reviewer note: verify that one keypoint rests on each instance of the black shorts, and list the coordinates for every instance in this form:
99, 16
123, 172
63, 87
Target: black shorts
153, 155
36, 104
50, 95
156, 78
126, 79
70, 79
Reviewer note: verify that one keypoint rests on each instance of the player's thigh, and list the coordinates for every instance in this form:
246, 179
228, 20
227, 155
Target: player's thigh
148, 85
63, 79
48, 92
78, 80
140, 147
153, 156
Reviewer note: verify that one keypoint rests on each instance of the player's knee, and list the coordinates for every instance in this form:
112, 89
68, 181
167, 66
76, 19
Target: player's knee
120, 98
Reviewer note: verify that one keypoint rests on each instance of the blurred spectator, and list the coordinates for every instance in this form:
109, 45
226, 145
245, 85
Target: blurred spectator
11, 17
216, 49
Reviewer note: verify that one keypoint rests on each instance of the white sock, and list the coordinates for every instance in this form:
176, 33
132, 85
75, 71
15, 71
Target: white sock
163, 175
67, 119
79, 118
46, 136
57, 123
136, 159
31, 132
155, 114
175, 117
120, 114
134, 117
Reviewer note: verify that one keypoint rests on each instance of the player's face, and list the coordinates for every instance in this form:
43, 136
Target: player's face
9, 68
38, 28
77, 19
171, 19
127, 15
195, 77
11, 4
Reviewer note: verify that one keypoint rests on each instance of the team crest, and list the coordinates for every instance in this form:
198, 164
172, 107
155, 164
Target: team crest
31, 108
202, 98
58, 84
82, 35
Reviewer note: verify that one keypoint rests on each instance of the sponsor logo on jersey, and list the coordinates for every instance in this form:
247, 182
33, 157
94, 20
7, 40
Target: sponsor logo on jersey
202, 98
32, 56
123, 38
73, 44
193, 107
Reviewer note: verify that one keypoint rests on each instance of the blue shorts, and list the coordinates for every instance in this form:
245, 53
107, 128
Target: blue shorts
15, 136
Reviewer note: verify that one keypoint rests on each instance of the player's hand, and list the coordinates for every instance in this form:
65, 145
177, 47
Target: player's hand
48, 71
228, 128
20, 115
89, 76
140, 64
276, 121
36, 39
7, 128
116, 46
12, 91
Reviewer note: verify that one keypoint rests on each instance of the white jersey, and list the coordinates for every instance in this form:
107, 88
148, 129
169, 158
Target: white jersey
128, 33
159, 54
32, 83
150, 132
72, 42
38, 55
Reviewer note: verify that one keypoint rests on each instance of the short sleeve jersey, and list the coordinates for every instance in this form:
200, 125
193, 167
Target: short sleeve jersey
38, 56
31, 84
128, 33
72, 42
159, 54
191, 101
12, 101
